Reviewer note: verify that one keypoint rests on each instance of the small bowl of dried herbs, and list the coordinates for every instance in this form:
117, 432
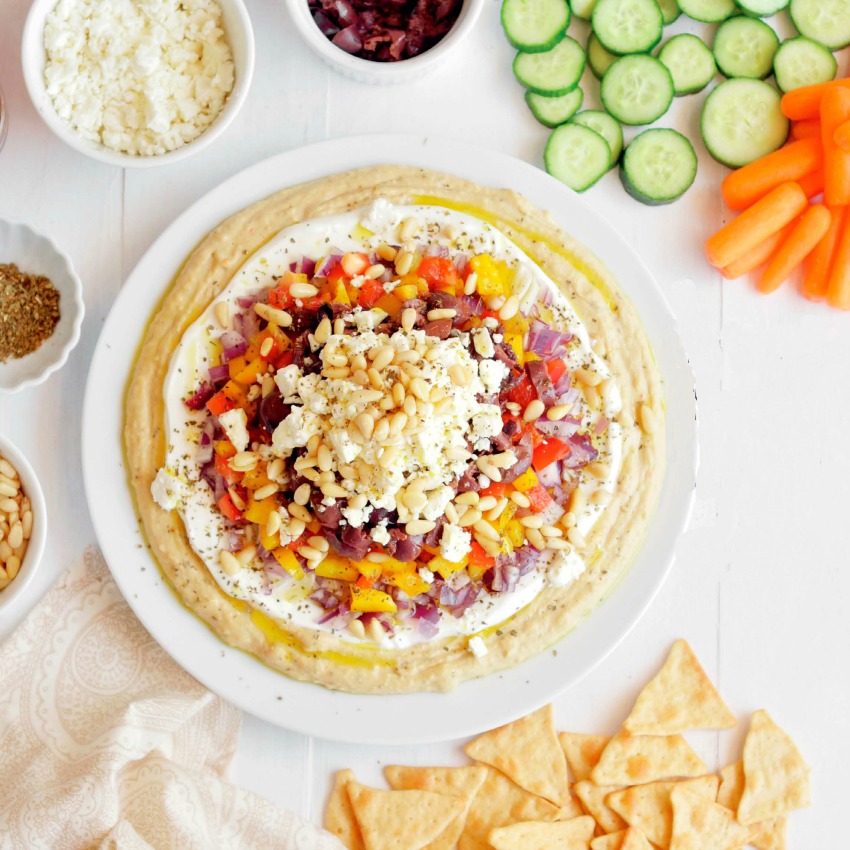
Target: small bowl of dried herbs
41, 307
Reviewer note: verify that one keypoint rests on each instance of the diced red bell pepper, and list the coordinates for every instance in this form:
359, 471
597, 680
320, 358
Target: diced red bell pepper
279, 297
478, 557
222, 467
226, 506
549, 450
369, 294
539, 498
230, 396
438, 273
556, 368
496, 490
523, 393
336, 274
285, 359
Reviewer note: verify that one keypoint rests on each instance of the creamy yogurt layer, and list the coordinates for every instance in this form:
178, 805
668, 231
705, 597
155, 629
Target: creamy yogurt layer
458, 439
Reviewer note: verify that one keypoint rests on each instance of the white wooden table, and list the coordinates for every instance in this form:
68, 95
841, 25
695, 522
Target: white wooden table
761, 587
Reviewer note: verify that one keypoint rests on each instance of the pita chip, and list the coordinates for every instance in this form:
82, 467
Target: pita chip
573, 809
528, 752
339, 816
635, 840
401, 820
648, 808
500, 802
582, 752
767, 835
700, 824
680, 697
612, 841
572, 834
776, 779
593, 799
461, 782
636, 759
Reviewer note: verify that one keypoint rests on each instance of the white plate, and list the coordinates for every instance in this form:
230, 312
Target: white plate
242, 679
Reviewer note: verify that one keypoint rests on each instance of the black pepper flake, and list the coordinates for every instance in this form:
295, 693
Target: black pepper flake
29, 311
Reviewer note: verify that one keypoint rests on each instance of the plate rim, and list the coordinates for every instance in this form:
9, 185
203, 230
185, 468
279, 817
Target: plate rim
232, 194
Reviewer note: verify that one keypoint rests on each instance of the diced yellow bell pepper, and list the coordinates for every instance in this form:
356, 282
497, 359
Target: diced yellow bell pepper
517, 325
392, 567
406, 291
493, 276
224, 448
256, 478
515, 532
248, 375
341, 294
368, 569
390, 304
410, 582
515, 342
270, 542
526, 481
476, 571
505, 517
528, 356
286, 558
445, 567
370, 600
338, 568
258, 512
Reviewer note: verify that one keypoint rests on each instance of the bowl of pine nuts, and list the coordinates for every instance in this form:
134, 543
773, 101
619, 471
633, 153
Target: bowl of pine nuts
23, 523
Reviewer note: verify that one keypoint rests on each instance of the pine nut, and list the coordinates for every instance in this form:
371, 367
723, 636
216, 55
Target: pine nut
323, 331
386, 403
375, 271
457, 454
377, 557
318, 543
443, 407
559, 411
338, 372
272, 523
520, 499
375, 379
598, 469
486, 530
491, 547
451, 513
468, 498
397, 422
326, 477
296, 527
419, 387
460, 377
246, 555
601, 497
492, 472
303, 290
5, 551
358, 363
264, 492
357, 629
497, 302
386, 252
410, 356
403, 262
531, 521
556, 543
591, 396
441, 313
366, 396
383, 357
578, 501
496, 512
26, 524
588, 378
387, 456
333, 491
551, 531
313, 444
409, 406
535, 538
487, 503
228, 563
382, 430
471, 283
509, 309
8, 490
534, 410
408, 318
273, 315
16, 535
503, 460
415, 499
13, 565
8, 470
408, 228
310, 474
575, 537
365, 424
299, 512
568, 520
8, 505
310, 553
646, 419
398, 394
339, 326
420, 526
470, 517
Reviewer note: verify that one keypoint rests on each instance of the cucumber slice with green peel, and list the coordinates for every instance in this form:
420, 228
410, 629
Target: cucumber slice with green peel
826, 21
708, 11
802, 62
599, 59
582, 8
763, 8
670, 11
690, 63
745, 47
658, 166
577, 156
553, 72
742, 121
535, 25
637, 89
554, 111
627, 26
607, 127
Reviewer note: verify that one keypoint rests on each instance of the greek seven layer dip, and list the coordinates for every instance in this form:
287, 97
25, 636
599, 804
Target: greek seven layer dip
392, 426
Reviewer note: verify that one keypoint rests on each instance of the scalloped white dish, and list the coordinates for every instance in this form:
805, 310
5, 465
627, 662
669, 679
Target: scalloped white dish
36, 254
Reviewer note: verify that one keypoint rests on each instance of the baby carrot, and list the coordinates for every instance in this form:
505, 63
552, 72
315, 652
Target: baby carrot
838, 284
808, 231
842, 136
804, 102
820, 260
806, 129
746, 185
812, 184
755, 224
834, 111
760, 254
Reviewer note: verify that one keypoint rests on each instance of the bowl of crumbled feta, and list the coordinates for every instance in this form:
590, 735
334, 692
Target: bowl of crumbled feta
138, 83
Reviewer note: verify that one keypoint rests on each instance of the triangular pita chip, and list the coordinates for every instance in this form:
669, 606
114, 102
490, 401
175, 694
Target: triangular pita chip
500, 802
635, 840
699, 824
679, 698
573, 809
462, 782
768, 834
339, 815
593, 799
572, 834
528, 752
582, 752
776, 777
612, 841
648, 807
636, 759
401, 820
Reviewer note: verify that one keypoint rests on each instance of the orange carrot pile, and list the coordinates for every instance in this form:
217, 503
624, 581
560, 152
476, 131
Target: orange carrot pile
777, 225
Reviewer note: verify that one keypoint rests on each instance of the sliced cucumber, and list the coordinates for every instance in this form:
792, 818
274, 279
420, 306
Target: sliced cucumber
637, 89
741, 121
554, 111
745, 47
708, 11
690, 63
670, 11
658, 166
763, 8
599, 59
582, 8
627, 26
826, 21
577, 156
802, 62
535, 25
607, 127
554, 72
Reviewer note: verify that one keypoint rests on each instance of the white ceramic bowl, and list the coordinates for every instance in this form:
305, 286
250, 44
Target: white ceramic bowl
35, 549
36, 254
382, 73
240, 35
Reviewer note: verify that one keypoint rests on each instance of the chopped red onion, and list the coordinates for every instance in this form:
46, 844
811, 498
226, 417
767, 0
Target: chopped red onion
328, 264
219, 374
205, 392
303, 265
582, 451
601, 424
546, 341
246, 301
563, 429
461, 261
341, 610
427, 629
234, 345
204, 454
475, 303
550, 476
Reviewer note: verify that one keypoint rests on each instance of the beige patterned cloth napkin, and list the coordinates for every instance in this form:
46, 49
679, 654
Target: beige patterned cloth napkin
106, 743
